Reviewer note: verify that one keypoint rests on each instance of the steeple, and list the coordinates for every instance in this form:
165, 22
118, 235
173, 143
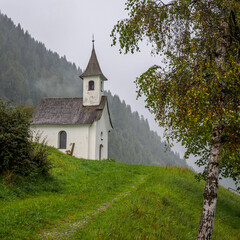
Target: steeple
93, 81
93, 67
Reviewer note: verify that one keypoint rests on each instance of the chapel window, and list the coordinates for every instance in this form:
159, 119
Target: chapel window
62, 140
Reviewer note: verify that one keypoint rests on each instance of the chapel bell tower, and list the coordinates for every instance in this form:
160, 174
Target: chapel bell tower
93, 81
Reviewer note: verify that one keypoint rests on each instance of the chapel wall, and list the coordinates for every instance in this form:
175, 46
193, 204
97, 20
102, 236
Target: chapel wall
78, 134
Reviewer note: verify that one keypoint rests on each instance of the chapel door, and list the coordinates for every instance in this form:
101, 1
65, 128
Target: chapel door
100, 151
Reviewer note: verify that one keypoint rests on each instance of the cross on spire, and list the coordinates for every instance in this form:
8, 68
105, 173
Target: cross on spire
93, 40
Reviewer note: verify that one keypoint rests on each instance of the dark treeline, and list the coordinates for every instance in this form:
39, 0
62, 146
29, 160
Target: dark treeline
28, 72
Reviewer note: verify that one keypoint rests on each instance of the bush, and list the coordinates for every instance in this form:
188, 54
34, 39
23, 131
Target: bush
17, 153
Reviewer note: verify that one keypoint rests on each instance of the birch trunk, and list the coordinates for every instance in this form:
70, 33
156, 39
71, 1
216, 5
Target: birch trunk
210, 193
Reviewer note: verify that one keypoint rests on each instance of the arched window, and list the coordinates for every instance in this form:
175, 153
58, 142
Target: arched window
91, 85
101, 136
62, 140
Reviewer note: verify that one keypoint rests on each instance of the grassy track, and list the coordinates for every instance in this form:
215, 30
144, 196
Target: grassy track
166, 205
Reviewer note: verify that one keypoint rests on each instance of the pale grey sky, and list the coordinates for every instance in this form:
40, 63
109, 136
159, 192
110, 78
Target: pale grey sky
66, 26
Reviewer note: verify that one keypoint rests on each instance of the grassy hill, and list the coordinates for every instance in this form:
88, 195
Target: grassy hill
84, 199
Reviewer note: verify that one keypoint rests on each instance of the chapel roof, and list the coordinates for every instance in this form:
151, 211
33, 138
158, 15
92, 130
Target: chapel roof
54, 111
93, 67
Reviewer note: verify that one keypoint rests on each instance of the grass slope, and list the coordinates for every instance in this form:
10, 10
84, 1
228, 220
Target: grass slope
166, 205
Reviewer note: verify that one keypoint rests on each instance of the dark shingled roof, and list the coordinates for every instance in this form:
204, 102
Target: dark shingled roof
93, 68
67, 111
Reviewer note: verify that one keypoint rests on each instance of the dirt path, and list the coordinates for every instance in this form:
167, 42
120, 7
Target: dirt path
58, 232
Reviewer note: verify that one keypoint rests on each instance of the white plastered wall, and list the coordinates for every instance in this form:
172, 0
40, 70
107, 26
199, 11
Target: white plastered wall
92, 142
78, 134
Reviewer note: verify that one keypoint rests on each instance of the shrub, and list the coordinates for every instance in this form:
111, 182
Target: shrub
17, 153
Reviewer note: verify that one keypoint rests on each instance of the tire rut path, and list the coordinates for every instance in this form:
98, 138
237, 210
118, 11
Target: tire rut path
58, 232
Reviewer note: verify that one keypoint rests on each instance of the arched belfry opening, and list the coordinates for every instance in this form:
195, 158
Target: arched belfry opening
62, 140
91, 85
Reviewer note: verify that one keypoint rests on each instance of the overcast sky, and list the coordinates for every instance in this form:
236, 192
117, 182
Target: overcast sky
67, 26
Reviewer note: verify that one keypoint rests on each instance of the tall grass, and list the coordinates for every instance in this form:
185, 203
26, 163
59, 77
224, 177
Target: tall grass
74, 188
166, 205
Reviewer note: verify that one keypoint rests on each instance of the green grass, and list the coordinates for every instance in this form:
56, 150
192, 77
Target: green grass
166, 205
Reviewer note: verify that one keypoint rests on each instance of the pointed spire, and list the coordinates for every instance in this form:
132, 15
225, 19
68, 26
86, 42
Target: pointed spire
93, 68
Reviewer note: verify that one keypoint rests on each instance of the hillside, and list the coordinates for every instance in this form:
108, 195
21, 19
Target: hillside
28, 72
84, 199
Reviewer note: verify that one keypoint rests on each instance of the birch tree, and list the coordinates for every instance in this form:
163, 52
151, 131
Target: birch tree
196, 95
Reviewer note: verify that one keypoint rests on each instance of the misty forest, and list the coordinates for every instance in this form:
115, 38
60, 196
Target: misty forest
29, 72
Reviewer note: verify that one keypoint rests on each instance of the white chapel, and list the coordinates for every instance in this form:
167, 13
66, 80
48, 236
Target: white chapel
78, 126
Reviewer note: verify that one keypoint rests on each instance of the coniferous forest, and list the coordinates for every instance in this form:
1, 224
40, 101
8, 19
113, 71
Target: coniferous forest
29, 72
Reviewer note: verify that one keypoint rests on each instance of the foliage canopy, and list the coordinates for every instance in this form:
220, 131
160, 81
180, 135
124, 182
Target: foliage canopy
200, 87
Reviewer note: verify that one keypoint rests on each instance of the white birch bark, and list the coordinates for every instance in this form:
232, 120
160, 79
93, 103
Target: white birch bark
205, 228
210, 193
